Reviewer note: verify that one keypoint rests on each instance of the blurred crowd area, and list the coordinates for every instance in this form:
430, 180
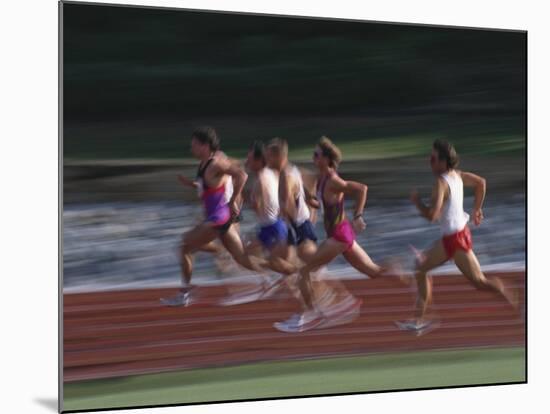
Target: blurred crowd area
125, 245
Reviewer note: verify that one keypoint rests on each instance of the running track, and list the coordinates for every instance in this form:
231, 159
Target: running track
111, 334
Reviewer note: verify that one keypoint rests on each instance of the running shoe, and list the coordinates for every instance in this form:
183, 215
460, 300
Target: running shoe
419, 328
310, 319
181, 299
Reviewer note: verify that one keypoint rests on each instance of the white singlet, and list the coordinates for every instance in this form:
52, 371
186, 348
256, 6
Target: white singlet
302, 210
270, 203
453, 217
228, 189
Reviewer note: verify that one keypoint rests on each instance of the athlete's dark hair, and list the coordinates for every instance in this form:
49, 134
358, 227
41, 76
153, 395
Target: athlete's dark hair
331, 151
207, 135
278, 146
446, 152
258, 151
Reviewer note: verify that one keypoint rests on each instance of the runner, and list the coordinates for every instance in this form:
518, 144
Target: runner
331, 297
272, 234
222, 258
273, 231
456, 242
331, 190
212, 177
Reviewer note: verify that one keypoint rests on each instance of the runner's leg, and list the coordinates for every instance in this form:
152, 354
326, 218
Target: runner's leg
469, 266
360, 260
279, 260
433, 257
325, 292
211, 247
234, 245
199, 236
326, 252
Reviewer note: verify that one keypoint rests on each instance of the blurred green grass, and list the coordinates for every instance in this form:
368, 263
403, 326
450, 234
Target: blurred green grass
311, 377
358, 137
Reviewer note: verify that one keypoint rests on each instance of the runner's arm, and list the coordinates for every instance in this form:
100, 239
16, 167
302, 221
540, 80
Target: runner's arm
187, 182
311, 200
351, 188
225, 166
310, 183
433, 211
288, 209
480, 186
309, 179
258, 194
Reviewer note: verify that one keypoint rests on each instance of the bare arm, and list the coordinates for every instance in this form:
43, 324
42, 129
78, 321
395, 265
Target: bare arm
187, 182
433, 211
353, 189
288, 208
259, 193
480, 186
309, 179
310, 183
311, 200
225, 166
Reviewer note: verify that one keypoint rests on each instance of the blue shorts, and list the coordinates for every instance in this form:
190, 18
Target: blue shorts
272, 234
299, 234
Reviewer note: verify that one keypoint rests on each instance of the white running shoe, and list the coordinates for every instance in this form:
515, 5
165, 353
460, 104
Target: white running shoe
418, 327
181, 299
310, 319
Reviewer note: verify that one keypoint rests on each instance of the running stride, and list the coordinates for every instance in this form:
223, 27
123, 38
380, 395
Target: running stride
213, 175
456, 243
331, 190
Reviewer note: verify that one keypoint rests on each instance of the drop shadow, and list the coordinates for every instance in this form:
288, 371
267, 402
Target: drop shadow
49, 403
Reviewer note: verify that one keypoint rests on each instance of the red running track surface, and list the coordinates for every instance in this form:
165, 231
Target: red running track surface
111, 334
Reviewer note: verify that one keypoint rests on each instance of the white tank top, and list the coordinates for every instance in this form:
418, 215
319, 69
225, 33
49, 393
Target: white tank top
270, 203
228, 189
453, 218
302, 210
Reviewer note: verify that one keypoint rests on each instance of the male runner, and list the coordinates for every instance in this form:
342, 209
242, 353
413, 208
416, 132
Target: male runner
221, 257
212, 177
329, 296
273, 231
331, 190
456, 242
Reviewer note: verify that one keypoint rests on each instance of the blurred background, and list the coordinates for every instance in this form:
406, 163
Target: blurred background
137, 81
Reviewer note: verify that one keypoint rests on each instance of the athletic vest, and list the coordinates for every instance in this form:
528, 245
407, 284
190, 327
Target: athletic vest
333, 214
453, 218
212, 198
302, 210
270, 210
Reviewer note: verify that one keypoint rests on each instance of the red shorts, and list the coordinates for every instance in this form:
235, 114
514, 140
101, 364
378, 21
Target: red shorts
460, 240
